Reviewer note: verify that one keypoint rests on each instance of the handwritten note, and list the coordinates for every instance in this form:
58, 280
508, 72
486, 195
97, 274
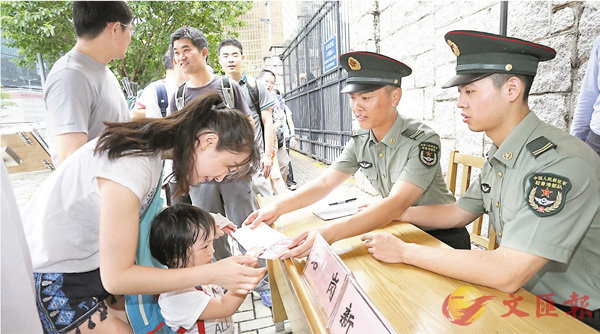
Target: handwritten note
275, 243
354, 313
325, 273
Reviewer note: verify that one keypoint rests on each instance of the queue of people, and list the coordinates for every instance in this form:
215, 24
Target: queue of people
539, 185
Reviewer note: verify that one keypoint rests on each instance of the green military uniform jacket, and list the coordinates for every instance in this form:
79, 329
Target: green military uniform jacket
541, 190
408, 152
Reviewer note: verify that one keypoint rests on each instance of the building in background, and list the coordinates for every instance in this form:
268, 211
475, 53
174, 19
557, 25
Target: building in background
270, 25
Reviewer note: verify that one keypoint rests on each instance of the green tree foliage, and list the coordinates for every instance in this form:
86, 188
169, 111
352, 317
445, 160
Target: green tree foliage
5, 100
47, 27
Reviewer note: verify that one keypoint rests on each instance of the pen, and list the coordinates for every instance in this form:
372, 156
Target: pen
344, 201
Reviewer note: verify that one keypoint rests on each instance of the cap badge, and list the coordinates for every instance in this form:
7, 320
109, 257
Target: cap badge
453, 47
354, 64
508, 67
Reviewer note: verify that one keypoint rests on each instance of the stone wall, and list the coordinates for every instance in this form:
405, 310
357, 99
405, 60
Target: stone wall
412, 32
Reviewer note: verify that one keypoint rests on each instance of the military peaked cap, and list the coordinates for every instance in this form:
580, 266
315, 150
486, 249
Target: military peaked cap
479, 54
368, 71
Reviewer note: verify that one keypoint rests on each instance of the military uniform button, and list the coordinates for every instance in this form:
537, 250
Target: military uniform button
383, 176
500, 234
497, 204
499, 174
381, 155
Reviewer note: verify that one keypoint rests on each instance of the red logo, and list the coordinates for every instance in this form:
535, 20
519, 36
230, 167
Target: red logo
464, 305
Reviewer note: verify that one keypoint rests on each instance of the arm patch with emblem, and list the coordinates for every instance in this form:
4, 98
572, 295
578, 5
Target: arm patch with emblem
547, 193
429, 154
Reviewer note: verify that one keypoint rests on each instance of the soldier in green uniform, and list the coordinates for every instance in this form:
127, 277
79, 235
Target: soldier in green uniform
399, 156
539, 186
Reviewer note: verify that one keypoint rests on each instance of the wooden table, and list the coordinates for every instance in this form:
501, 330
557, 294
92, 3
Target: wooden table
408, 297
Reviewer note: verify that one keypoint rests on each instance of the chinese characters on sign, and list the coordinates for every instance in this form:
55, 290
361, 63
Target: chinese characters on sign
325, 272
332, 286
355, 313
347, 318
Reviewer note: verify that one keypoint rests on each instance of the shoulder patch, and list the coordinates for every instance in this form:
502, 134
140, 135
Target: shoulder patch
428, 154
539, 145
359, 132
412, 133
547, 193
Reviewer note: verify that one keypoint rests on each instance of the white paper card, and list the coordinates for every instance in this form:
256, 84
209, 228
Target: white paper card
335, 205
275, 243
220, 220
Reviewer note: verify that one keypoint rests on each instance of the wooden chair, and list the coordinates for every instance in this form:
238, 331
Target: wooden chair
468, 162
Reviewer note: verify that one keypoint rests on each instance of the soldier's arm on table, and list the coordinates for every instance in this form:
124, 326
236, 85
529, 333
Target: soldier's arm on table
377, 214
67, 143
304, 196
504, 268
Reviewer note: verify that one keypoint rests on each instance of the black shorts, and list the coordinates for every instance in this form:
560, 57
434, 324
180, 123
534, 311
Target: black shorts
66, 300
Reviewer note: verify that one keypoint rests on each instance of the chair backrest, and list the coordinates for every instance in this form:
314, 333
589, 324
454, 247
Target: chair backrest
468, 162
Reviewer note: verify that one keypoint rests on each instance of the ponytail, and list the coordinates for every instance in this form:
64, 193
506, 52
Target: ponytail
178, 133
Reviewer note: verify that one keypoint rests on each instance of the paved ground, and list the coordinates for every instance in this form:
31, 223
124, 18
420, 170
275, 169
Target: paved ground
252, 317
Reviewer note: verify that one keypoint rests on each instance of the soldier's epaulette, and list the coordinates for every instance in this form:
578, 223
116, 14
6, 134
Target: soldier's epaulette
539, 145
359, 132
412, 133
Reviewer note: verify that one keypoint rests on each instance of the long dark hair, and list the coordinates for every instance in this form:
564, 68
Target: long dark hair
175, 230
179, 132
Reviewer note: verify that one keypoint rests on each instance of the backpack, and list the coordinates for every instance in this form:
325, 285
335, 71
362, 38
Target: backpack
228, 95
254, 94
143, 311
162, 98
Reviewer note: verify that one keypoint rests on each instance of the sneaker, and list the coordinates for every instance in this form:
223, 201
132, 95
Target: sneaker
292, 187
265, 297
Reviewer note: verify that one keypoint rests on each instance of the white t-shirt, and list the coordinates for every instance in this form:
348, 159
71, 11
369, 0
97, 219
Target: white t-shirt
150, 99
80, 95
181, 309
62, 220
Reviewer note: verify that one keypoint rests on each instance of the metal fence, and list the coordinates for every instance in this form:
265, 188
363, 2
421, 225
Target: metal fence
312, 84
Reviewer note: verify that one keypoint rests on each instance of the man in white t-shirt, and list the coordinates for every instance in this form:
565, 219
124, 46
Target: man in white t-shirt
81, 92
147, 105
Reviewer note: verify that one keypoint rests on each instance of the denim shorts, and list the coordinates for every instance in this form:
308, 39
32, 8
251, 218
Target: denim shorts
67, 300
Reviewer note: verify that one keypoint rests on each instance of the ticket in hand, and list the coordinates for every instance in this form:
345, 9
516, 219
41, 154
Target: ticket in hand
220, 221
274, 242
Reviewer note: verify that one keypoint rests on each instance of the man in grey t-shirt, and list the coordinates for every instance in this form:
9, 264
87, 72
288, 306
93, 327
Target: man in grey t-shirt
81, 93
260, 102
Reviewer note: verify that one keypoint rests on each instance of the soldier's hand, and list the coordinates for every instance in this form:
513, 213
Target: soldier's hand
267, 215
384, 246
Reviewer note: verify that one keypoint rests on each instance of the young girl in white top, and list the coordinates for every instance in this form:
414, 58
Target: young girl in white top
82, 225
182, 236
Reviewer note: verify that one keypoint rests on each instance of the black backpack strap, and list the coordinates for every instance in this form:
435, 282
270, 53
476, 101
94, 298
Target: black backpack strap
179, 97
228, 94
162, 99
